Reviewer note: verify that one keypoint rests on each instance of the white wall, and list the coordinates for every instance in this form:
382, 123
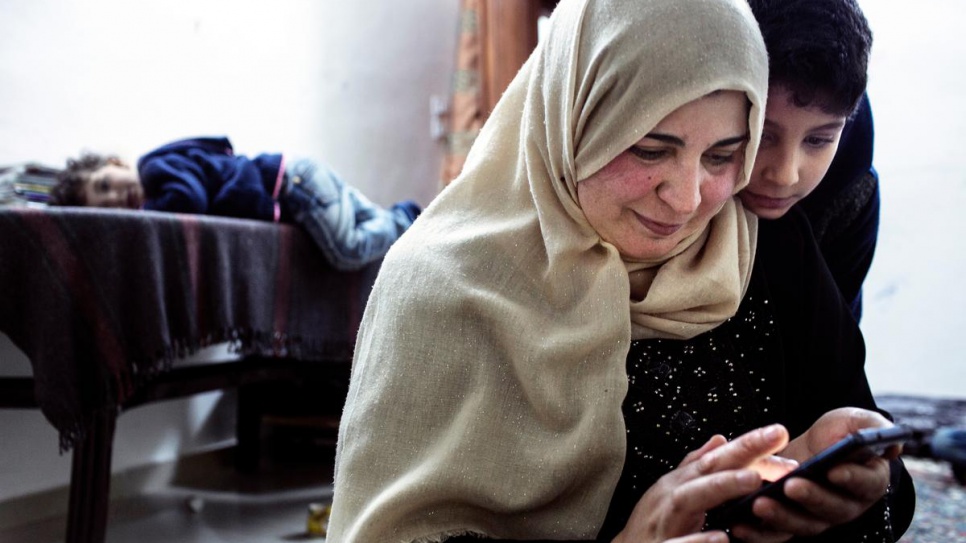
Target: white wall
346, 82
914, 322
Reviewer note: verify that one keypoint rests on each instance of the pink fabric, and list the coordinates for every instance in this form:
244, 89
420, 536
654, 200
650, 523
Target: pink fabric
278, 188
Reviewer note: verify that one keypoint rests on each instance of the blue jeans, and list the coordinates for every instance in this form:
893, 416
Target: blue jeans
350, 230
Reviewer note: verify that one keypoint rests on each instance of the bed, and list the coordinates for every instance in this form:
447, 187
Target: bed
107, 303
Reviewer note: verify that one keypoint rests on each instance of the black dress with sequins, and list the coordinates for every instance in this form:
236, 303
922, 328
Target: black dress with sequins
791, 353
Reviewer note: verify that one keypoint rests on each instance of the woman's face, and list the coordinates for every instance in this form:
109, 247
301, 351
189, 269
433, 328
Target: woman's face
671, 182
797, 148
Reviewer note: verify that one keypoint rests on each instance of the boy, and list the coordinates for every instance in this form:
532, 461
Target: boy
203, 175
818, 132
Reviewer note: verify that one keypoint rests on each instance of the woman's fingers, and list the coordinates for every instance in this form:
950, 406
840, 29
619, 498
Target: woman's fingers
745, 450
867, 482
859, 419
779, 518
706, 492
703, 537
676, 504
773, 467
720, 471
853, 488
716, 441
759, 534
832, 427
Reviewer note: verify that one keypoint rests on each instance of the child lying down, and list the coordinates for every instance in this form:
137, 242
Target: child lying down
204, 175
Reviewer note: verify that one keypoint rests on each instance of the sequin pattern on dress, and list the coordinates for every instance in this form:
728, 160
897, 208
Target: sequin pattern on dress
683, 392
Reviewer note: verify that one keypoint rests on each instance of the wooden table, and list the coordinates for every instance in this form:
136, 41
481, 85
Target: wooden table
104, 303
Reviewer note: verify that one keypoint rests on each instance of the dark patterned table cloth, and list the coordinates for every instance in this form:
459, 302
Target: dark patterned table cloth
102, 300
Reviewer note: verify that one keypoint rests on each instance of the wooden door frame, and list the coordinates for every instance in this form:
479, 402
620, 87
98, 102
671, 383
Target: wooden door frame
508, 31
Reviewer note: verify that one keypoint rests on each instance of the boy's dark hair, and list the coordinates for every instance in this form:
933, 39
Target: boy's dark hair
817, 49
69, 190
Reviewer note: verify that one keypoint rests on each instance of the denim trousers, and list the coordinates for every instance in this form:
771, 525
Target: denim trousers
350, 230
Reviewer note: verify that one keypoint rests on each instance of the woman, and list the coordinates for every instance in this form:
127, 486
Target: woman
596, 208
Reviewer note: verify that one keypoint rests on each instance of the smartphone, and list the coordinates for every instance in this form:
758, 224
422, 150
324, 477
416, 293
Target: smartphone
857, 447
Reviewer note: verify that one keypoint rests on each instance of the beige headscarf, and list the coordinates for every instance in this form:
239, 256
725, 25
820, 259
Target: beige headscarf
490, 367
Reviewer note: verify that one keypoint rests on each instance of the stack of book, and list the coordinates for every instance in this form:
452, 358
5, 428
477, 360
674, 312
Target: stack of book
26, 184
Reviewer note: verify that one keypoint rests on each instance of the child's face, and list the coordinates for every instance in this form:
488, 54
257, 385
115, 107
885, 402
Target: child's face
797, 147
114, 185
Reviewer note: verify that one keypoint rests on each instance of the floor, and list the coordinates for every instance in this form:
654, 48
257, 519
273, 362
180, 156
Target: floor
208, 501
940, 504
211, 502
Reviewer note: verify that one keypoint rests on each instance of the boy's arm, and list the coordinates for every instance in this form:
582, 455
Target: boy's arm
849, 243
845, 208
825, 369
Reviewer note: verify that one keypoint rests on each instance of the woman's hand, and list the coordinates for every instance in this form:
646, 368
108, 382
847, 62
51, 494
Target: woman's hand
673, 509
853, 487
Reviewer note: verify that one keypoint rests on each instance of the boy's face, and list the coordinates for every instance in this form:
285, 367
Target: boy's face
114, 185
797, 147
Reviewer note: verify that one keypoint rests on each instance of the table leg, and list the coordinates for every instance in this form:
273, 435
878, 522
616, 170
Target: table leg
90, 482
248, 426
